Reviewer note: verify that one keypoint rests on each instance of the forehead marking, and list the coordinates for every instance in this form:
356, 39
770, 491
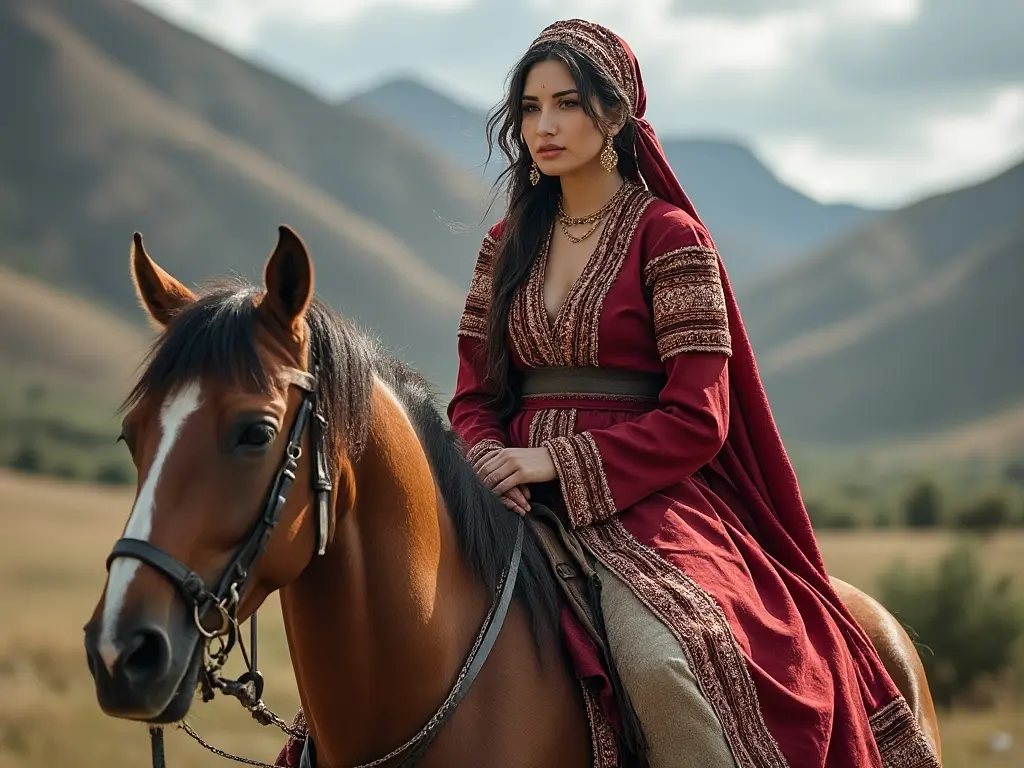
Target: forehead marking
173, 413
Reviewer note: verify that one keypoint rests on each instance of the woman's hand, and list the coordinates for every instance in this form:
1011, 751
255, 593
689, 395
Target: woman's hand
504, 470
517, 499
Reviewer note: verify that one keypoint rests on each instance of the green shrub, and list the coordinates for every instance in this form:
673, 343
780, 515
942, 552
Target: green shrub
825, 516
27, 459
1014, 473
967, 627
922, 508
985, 515
114, 474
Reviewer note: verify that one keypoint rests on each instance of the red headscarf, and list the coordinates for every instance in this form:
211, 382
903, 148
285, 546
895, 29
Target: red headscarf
753, 455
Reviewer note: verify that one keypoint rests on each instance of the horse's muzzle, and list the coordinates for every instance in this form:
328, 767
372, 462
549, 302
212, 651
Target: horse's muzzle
139, 676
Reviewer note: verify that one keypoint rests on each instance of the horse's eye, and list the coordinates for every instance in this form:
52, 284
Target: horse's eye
257, 436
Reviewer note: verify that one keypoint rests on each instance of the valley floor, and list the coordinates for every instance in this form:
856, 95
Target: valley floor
56, 535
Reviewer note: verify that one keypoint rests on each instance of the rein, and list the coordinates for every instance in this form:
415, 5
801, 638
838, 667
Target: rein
248, 687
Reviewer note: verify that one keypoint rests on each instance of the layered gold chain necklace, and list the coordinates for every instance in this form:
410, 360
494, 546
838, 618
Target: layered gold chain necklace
594, 219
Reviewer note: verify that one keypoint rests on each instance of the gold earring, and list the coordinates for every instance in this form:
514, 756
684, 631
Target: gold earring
609, 157
534, 174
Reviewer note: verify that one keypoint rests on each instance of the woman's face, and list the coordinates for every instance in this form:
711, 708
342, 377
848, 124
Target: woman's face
562, 137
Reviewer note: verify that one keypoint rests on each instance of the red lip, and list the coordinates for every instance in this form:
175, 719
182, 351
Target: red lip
550, 150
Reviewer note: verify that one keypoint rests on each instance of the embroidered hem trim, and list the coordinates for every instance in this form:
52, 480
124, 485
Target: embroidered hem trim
900, 740
588, 499
482, 447
702, 630
602, 735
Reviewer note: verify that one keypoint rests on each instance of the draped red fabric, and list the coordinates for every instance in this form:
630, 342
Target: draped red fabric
753, 456
754, 451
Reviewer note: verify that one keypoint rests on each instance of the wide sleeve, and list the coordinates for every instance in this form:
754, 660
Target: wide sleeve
469, 413
604, 471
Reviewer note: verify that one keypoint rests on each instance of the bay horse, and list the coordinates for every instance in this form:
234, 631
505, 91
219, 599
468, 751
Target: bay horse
389, 555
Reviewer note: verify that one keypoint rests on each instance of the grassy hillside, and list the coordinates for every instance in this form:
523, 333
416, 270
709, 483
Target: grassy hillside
884, 259
45, 332
906, 328
65, 365
366, 164
118, 121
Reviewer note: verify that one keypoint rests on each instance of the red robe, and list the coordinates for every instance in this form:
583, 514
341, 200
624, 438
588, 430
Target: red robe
666, 502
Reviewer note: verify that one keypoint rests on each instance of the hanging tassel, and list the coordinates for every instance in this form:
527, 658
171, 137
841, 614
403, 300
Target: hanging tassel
156, 742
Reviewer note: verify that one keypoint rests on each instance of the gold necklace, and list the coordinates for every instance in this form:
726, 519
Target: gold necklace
593, 218
577, 238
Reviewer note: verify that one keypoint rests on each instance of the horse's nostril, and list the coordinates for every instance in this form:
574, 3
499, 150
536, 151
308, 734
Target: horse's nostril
147, 657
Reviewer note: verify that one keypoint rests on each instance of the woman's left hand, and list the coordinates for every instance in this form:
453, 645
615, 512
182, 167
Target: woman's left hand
509, 467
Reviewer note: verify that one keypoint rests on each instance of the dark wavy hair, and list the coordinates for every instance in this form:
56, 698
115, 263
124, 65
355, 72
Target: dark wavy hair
531, 209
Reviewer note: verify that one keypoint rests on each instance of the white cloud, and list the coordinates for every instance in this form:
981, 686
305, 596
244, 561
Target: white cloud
760, 48
876, 101
239, 22
955, 149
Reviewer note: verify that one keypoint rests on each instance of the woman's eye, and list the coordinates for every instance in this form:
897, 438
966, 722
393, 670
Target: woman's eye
570, 103
529, 108
257, 436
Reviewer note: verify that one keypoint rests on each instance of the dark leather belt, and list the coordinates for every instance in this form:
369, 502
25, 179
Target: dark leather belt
596, 382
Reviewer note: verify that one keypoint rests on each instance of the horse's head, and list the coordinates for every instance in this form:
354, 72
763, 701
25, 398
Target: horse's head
216, 426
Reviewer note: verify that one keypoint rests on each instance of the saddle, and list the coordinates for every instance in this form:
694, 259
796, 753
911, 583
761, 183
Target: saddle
580, 585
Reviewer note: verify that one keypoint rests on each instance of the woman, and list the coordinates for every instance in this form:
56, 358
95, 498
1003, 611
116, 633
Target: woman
604, 364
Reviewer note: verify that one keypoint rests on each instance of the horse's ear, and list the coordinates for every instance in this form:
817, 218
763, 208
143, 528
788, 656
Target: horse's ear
288, 278
161, 295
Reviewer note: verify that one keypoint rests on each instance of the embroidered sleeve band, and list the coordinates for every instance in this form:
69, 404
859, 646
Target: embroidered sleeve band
688, 302
585, 490
482, 448
478, 300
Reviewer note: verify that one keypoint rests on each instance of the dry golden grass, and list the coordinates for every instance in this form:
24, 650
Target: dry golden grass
54, 540
55, 537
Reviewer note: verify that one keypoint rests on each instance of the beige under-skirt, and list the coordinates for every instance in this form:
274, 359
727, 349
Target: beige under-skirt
681, 727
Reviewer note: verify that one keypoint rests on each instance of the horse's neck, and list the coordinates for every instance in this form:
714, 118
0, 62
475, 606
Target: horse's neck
379, 626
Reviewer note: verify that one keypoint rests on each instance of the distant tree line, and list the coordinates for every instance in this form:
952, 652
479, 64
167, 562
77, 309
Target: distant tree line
31, 459
923, 507
42, 432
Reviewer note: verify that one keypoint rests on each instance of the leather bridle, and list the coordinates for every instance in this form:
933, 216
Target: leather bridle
248, 688
232, 581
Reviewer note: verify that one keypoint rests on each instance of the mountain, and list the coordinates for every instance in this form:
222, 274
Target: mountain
902, 328
115, 120
909, 326
51, 335
448, 126
759, 223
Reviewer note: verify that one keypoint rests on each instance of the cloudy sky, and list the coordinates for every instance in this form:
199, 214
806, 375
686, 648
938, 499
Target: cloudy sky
872, 101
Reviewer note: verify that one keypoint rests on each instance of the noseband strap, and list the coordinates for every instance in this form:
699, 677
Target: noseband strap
188, 582
233, 579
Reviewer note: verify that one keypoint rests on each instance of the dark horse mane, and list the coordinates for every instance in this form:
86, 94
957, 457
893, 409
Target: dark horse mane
216, 337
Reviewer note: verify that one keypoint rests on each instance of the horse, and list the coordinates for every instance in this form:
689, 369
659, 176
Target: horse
396, 567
